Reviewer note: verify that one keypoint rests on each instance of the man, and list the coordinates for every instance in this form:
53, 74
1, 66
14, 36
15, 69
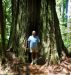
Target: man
33, 42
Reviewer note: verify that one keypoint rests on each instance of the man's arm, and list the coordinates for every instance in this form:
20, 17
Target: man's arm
38, 41
40, 46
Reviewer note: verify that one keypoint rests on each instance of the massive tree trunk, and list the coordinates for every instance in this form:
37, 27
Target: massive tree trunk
2, 28
52, 39
59, 41
27, 17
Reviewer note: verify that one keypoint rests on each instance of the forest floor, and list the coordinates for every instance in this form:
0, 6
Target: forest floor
64, 68
5, 70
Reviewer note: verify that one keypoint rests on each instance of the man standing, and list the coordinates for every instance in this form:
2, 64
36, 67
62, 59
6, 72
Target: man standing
33, 42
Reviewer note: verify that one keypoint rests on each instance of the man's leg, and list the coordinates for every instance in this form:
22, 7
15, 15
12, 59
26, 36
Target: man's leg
34, 56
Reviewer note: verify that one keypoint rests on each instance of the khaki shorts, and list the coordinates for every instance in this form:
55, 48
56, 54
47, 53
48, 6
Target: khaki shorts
34, 49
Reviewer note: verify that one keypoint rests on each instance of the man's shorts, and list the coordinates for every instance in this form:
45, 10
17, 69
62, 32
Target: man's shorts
34, 50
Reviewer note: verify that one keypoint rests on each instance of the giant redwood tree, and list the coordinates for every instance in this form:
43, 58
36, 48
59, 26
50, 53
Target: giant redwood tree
39, 15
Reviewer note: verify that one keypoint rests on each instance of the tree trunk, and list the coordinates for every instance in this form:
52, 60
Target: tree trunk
13, 40
2, 28
27, 17
53, 38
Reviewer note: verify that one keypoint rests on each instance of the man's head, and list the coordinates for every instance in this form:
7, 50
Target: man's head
33, 33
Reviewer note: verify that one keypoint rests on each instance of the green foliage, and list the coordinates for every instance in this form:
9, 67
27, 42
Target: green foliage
61, 12
66, 36
7, 16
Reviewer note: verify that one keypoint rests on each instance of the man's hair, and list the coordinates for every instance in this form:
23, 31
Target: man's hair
33, 32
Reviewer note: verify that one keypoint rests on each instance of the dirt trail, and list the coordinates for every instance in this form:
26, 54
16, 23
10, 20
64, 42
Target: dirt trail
34, 70
64, 68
